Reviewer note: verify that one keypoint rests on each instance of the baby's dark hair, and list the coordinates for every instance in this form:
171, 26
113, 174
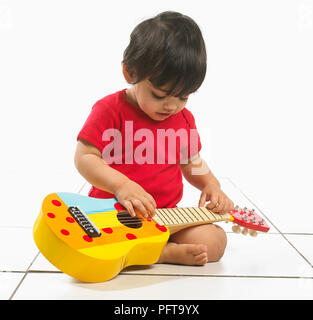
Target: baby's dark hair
168, 50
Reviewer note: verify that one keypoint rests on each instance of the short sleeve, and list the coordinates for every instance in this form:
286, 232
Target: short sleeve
101, 118
194, 145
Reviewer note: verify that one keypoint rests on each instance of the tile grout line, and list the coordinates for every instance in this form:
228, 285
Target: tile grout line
282, 234
82, 187
11, 271
26, 272
298, 233
188, 275
218, 276
234, 185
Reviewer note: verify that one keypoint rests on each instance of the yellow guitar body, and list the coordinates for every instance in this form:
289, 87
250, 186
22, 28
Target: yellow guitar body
62, 238
94, 239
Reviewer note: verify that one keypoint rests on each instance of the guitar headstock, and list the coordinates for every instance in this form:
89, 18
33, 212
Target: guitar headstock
249, 220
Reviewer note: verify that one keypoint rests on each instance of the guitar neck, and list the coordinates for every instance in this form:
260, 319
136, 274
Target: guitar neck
179, 218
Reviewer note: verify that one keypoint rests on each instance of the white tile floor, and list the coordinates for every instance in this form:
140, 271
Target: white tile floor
275, 265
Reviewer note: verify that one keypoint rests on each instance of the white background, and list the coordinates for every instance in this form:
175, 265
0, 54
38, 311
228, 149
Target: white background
253, 111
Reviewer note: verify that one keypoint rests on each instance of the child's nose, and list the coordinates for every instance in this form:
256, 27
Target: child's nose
169, 110
169, 107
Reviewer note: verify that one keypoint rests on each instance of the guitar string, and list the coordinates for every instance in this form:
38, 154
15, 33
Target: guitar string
165, 219
144, 221
130, 221
160, 216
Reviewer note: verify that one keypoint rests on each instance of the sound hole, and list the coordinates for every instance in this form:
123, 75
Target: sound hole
128, 221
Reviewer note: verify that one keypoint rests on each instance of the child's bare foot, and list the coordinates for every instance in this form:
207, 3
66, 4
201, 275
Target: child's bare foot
188, 254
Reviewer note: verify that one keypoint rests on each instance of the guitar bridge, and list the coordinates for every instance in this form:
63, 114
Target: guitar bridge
84, 222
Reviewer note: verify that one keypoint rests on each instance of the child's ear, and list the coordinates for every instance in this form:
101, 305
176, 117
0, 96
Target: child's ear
129, 76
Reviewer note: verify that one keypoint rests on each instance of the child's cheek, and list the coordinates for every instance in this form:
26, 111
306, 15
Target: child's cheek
146, 108
150, 107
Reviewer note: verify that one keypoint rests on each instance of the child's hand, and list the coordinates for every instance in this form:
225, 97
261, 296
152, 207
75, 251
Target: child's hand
219, 202
132, 196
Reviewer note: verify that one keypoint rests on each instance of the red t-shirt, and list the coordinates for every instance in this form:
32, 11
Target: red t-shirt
141, 148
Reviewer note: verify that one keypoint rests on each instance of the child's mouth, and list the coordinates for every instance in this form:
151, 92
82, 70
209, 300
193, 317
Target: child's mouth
163, 114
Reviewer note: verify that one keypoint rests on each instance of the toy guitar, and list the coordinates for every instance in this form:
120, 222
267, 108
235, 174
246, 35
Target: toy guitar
94, 239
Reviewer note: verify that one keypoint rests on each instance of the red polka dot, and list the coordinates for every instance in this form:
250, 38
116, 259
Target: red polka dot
119, 207
65, 232
149, 219
87, 238
51, 215
56, 203
70, 220
107, 230
130, 236
161, 228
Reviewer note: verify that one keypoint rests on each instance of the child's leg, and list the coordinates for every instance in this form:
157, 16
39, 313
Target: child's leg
195, 245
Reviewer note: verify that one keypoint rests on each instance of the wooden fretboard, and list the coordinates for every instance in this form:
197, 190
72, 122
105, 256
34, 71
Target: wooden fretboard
187, 216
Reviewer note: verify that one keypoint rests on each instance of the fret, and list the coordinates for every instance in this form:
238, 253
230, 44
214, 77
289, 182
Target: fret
202, 217
185, 215
191, 213
210, 213
168, 216
177, 216
205, 217
161, 216
182, 217
195, 217
188, 215
207, 213
216, 216
158, 219
173, 215
199, 214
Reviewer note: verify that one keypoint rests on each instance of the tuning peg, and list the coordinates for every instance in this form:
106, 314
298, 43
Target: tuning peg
253, 233
244, 231
236, 228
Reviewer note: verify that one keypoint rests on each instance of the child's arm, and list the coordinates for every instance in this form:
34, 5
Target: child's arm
89, 163
197, 173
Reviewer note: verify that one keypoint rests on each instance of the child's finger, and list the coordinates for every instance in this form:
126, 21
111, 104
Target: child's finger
149, 206
151, 199
230, 206
138, 204
221, 205
202, 200
227, 207
213, 202
129, 207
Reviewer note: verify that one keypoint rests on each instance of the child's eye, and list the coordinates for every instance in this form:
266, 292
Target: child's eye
157, 97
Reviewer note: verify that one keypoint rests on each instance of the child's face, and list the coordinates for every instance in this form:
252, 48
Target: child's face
154, 102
